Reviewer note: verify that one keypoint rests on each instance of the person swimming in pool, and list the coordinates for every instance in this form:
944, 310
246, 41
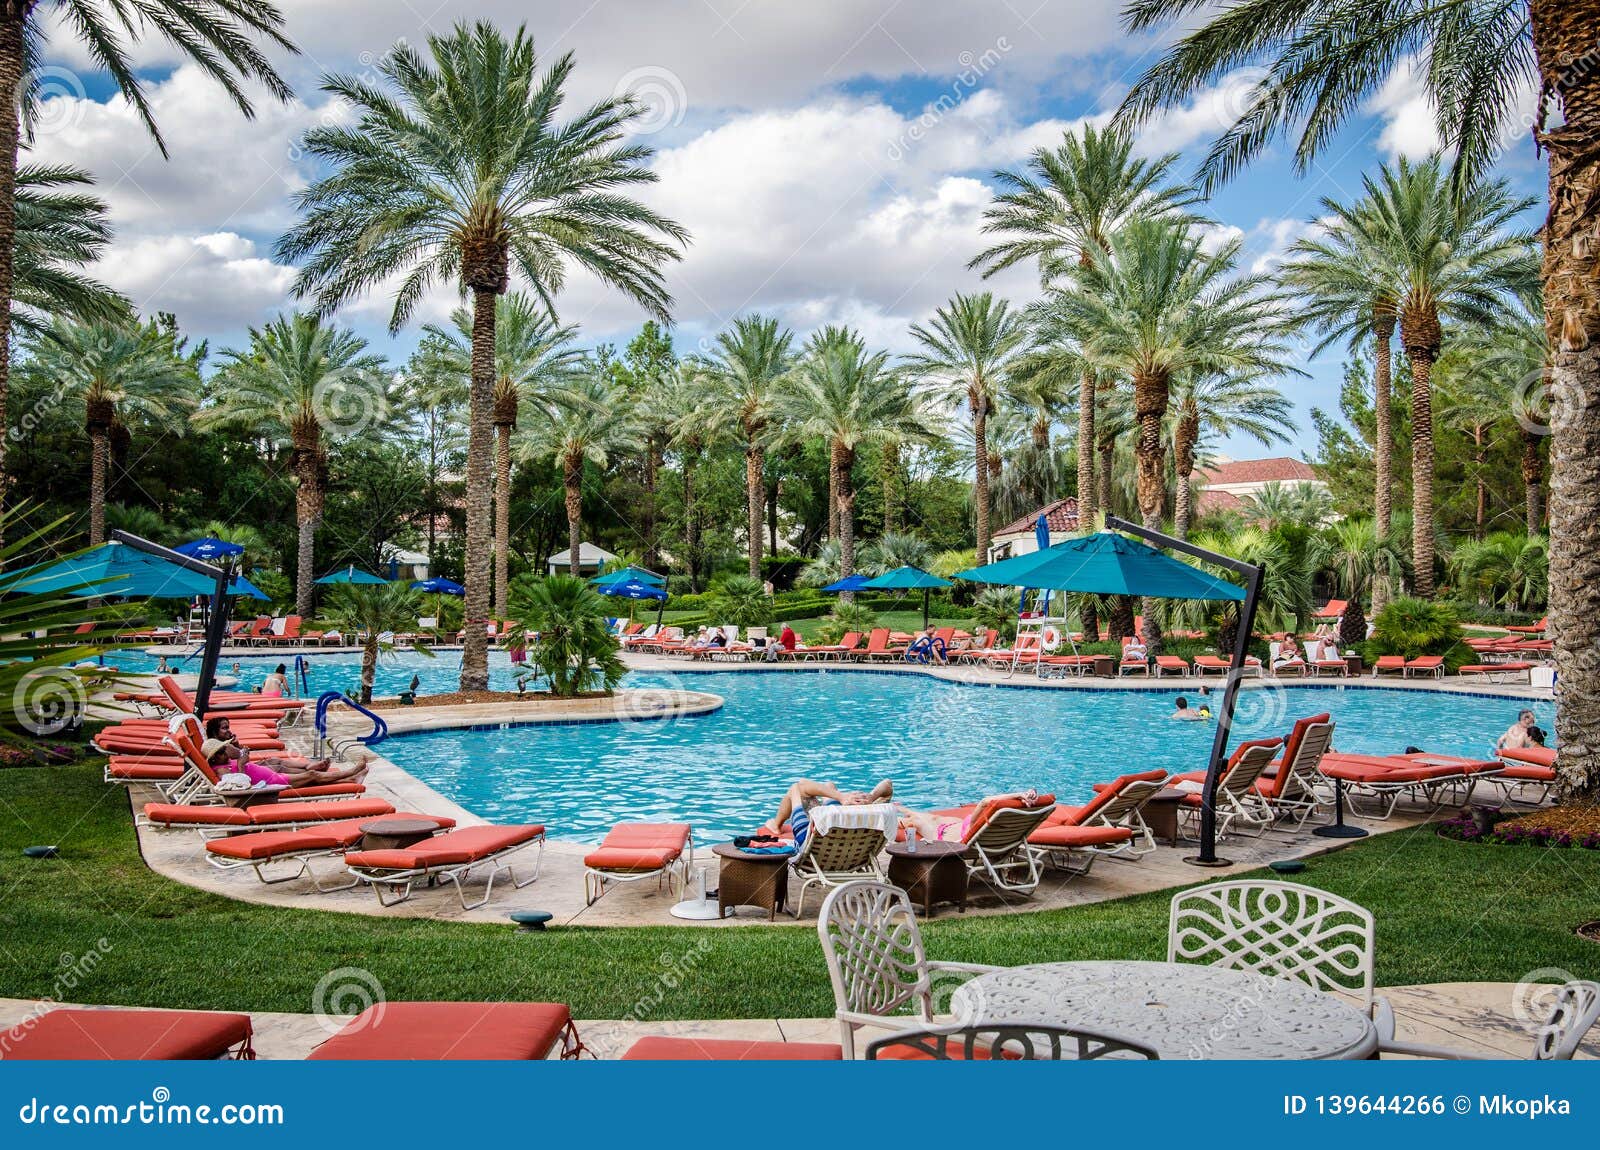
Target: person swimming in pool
1182, 710
1519, 735
795, 806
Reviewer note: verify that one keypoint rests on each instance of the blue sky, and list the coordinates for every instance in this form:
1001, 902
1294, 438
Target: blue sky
831, 160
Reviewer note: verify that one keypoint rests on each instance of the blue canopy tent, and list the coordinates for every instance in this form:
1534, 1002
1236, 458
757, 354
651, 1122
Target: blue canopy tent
908, 579
1105, 563
352, 574
636, 589
628, 574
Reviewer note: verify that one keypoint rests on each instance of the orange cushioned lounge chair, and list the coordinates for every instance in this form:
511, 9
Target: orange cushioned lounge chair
1389, 665
632, 852
129, 1035
276, 816
452, 856
454, 1032
260, 850
1386, 779
654, 1048
1115, 807
1217, 665
1526, 769
1425, 665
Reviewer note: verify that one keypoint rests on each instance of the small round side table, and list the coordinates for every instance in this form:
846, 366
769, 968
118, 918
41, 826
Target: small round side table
934, 872
747, 879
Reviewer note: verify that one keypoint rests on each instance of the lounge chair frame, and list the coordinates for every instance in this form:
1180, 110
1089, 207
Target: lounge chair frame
398, 883
829, 860
675, 875
999, 853
1236, 797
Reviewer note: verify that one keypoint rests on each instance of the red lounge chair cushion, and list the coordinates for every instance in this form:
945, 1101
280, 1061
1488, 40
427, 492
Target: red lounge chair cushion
657, 1049
642, 859
330, 836
987, 808
469, 845
266, 814
1072, 816
1067, 837
145, 771
1528, 773
449, 1031
1493, 668
1377, 769
1538, 756
83, 1035
322, 790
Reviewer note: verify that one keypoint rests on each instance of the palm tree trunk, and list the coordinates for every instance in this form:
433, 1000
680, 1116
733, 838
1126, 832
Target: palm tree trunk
369, 667
1086, 491
13, 65
891, 487
502, 516
1420, 334
1533, 481
1563, 36
1480, 512
1150, 394
847, 512
754, 492
833, 492
479, 490
1108, 454
306, 452
691, 523
1183, 445
980, 480
652, 470
100, 413
1383, 321
572, 485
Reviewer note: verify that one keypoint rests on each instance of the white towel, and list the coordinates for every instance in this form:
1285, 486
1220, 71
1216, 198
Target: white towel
883, 816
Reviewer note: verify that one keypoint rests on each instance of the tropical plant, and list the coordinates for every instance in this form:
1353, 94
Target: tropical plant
118, 370
301, 381
1302, 505
454, 171
1325, 60
823, 566
589, 423
1361, 558
743, 369
217, 36
1453, 255
967, 349
1285, 583
1040, 382
535, 363
741, 600
370, 612
576, 649
896, 549
58, 232
847, 397
1506, 568
846, 616
1413, 627
1067, 204
996, 608
1221, 405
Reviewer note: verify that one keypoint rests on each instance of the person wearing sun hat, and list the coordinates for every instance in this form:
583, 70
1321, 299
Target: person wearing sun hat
221, 750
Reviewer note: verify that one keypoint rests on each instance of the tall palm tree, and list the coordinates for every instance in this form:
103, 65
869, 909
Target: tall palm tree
115, 369
1361, 558
218, 36
59, 230
743, 369
590, 423
847, 397
967, 349
1453, 255
1156, 307
1221, 405
535, 360
456, 171
1066, 204
301, 381
1324, 60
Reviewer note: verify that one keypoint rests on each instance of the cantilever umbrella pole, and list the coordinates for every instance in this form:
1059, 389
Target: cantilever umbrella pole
1230, 693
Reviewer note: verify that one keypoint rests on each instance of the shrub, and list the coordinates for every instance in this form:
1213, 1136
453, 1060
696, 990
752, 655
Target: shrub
996, 607
846, 617
576, 650
1413, 627
741, 600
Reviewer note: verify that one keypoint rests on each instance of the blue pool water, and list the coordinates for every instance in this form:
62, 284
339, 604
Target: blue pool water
339, 672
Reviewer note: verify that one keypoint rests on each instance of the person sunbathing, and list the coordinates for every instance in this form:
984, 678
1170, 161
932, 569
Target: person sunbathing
805, 794
221, 749
952, 828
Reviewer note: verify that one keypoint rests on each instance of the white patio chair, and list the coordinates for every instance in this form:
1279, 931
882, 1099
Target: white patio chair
880, 973
1572, 1015
1015, 1041
1277, 928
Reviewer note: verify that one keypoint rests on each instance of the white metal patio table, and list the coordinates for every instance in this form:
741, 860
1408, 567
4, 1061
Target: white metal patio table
1182, 1011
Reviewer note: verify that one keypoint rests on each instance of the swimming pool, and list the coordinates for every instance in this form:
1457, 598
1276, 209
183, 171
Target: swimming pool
941, 743
339, 671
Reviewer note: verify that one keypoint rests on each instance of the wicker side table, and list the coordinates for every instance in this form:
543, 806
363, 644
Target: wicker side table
933, 873
746, 879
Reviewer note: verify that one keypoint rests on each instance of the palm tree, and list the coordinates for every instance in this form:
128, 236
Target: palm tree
535, 360
116, 369
57, 233
1452, 257
218, 36
742, 370
1285, 583
1507, 568
372, 611
455, 171
678, 402
1040, 382
1067, 203
846, 397
301, 381
1221, 405
967, 349
1361, 558
1305, 506
590, 423
576, 649
1324, 61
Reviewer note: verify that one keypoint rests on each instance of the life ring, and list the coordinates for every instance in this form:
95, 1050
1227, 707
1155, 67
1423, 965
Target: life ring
1049, 637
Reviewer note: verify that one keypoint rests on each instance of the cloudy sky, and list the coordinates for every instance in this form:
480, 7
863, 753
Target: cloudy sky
798, 143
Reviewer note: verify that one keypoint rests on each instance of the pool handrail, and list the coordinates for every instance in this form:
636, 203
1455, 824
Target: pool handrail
379, 732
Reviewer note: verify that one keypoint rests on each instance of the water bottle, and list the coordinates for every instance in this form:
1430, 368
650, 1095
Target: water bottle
911, 840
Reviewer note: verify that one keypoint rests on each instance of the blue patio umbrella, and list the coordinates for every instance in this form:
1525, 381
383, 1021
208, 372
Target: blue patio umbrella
636, 589
1106, 564
114, 570
209, 548
848, 583
352, 574
628, 574
908, 579
439, 586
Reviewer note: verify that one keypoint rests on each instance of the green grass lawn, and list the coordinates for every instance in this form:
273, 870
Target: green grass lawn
1446, 911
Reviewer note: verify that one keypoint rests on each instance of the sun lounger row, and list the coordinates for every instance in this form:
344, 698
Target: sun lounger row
391, 1031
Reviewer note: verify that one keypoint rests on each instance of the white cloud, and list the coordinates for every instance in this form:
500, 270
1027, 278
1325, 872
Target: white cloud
212, 282
1410, 128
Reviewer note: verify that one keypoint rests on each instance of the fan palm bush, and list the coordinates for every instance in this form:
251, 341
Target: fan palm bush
1508, 568
996, 607
847, 617
1413, 627
896, 549
373, 611
740, 600
576, 650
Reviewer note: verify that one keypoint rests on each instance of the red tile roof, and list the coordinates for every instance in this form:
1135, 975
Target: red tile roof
1278, 470
1211, 502
1060, 516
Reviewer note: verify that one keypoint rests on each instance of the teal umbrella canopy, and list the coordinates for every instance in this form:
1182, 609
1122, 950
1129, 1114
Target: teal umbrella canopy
1106, 564
113, 571
627, 574
906, 579
351, 574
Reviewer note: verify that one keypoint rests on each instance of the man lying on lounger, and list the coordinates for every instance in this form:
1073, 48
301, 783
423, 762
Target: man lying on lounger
797, 801
223, 751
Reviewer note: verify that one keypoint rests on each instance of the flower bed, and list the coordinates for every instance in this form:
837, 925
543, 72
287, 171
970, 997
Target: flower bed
1564, 827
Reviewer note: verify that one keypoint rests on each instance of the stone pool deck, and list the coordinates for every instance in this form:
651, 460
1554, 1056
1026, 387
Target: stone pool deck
1472, 1016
